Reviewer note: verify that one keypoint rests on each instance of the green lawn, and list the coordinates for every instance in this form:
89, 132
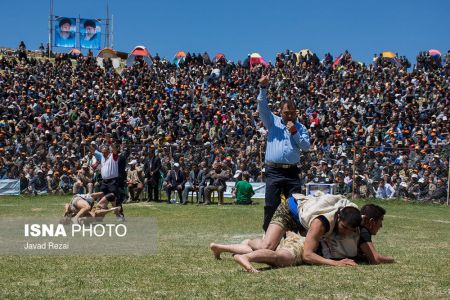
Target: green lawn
418, 236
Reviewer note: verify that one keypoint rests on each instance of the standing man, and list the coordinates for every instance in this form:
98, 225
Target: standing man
122, 181
152, 167
109, 169
286, 137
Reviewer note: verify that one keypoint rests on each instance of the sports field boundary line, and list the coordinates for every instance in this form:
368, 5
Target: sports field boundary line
401, 217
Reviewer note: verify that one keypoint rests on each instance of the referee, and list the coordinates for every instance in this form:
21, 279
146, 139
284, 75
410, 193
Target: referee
285, 139
109, 169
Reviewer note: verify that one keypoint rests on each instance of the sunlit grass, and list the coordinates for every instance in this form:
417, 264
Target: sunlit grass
418, 236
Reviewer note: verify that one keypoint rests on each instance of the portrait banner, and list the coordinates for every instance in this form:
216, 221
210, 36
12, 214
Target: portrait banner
90, 33
65, 31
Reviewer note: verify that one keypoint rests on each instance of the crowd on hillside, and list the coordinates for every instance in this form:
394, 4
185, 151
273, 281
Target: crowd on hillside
376, 130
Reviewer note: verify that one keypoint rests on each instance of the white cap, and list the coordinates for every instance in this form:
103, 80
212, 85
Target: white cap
133, 162
421, 180
176, 165
414, 175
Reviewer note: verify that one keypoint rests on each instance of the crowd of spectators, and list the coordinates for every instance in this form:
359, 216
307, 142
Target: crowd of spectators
377, 130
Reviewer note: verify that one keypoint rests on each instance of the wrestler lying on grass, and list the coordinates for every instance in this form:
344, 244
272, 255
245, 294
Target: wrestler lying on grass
81, 208
346, 246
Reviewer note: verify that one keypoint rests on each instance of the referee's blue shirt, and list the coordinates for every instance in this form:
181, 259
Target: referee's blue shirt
282, 146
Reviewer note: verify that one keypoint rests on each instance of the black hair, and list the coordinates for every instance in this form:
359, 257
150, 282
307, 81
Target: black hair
290, 104
351, 215
110, 197
89, 23
64, 21
372, 211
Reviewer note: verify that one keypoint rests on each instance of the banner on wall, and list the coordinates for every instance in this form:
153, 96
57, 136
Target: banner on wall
9, 187
90, 33
65, 32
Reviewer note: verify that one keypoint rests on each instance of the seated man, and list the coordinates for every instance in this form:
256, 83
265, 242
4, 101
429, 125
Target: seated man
196, 177
174, 181
38, 184
324, 175
53, 182
216, 181
439, 194
341, 187
134, 181
65, 183
244, 190
414, 187
83, 179
385, 190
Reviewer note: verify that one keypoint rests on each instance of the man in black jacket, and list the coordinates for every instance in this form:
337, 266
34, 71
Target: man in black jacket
174, 181
152, 167
122, 183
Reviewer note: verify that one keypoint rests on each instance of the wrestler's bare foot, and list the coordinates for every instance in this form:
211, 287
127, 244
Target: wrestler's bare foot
215, 250
243, 261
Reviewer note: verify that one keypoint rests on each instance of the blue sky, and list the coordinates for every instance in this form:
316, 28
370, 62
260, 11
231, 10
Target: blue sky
236, 28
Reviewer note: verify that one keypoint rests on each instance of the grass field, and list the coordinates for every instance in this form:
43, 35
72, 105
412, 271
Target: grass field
418, 236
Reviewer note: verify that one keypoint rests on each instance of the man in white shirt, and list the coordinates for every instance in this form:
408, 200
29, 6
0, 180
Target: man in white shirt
385, 190
109, 168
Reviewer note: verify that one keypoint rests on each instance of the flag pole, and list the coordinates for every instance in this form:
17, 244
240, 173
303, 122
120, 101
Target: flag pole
50, 29
448, 181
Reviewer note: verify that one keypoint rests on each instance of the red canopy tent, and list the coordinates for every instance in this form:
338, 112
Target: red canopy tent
255, 59
139, 51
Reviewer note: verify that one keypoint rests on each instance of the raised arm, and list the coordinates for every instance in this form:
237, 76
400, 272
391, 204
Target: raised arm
115, 151
263, 105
